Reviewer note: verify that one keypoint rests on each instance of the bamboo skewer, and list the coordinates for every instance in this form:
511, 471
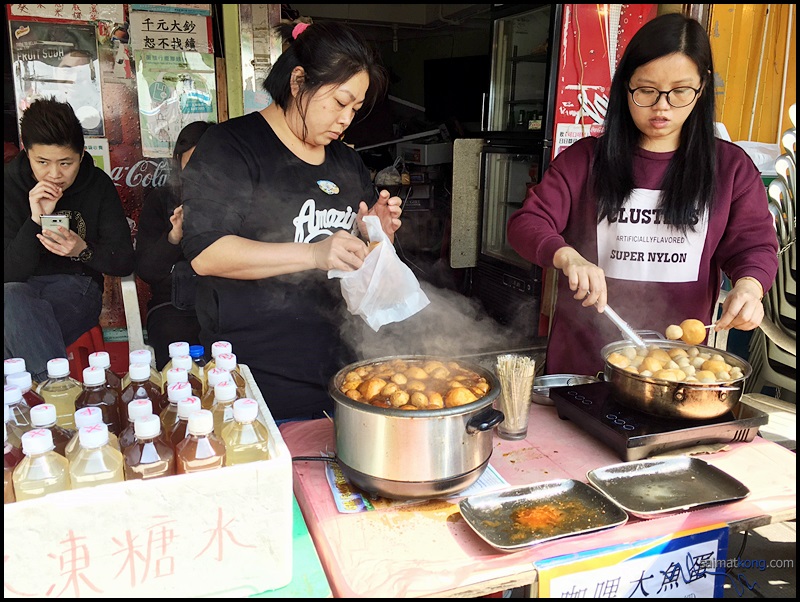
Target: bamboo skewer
516, 374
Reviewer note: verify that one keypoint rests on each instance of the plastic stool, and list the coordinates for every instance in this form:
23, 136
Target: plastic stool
90, 341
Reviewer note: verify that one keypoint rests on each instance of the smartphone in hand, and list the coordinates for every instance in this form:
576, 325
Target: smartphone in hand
52, 222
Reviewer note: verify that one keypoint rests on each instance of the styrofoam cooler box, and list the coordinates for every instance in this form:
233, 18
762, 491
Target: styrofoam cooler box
220, 532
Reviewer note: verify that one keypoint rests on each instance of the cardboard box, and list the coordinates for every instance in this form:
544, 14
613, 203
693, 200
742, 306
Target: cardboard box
222, 532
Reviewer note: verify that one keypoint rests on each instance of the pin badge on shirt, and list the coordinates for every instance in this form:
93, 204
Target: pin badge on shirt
328, 187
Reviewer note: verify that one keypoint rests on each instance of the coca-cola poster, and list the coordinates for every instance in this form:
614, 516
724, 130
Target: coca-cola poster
594, 38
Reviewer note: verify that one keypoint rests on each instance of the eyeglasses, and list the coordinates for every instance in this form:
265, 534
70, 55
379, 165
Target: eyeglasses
677, 97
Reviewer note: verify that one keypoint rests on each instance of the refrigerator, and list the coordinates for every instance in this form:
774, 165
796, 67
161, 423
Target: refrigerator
551, 69
515, 143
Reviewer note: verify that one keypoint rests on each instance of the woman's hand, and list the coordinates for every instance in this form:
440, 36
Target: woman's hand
65, 242
585, 278
43, 199
388, 210
175, 235
340, 251
742, 307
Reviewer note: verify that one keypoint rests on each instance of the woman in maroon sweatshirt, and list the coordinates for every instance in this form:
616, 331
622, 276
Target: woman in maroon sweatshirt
648, 217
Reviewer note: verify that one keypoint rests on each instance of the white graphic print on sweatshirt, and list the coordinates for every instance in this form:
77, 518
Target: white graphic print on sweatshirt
638, 245
311, 222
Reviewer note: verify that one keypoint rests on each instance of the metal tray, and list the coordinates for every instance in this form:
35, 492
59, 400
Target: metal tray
505, 518
656, 487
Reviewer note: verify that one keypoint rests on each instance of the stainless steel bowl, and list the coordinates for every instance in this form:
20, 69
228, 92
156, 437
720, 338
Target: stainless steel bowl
541, 386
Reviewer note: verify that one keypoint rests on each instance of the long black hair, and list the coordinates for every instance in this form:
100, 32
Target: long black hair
330, 53
687, 189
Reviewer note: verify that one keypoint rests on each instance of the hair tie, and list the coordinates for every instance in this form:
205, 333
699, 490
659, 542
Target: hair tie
298, 29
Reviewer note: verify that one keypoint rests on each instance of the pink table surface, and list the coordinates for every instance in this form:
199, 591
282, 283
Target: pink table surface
427, 549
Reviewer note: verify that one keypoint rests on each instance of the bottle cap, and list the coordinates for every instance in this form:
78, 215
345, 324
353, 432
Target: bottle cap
58, 367
245, 409
22, 379
197, 351
101, 359
138, 408
217, 375
225, 391
140, 356
201, 422
13, 365
93, 435
147, 427
94, 375
226, 361
37, 441
182, 361
178, 391
11, 394
177, 375
87, 417
187, 406
139, 371
221, 347
43, 415
178, 348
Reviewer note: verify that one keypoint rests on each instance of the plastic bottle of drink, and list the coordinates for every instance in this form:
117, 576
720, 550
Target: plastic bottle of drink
198, 354
11, 457
13, 365
186, 407
87, 417
61, 390
142, 356
24, 381
177, 375
217, 348
215, 376
43, 416
184, 362
175, 392
96, 394
42, 470
19, 414
175, 349
246, 439
102, 359
136, 409
96, 462
201, 449
222, 410
150, 456
227, 361
141, 387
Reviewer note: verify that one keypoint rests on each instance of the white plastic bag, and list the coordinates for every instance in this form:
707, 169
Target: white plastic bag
383, 290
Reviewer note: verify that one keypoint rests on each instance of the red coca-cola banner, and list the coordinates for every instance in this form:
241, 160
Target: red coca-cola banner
594, 38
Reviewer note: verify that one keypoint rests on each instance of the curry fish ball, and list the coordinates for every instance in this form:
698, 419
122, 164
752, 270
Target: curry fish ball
416, 373
705, 376
715, 366
389, 389
435, 401
637, 361
694, 331
459, 396
440, 373
354, 395
399, 398
674, 332
371, 388
618, 360
415, 385
659, 354
399, 378
666, 375
650, 364
418, 399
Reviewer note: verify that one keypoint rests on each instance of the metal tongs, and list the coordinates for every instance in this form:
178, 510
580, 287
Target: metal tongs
628, 332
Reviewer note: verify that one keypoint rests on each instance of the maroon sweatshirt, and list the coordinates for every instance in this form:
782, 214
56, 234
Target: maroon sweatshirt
656, 275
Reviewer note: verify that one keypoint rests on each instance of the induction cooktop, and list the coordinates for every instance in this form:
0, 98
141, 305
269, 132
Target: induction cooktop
635, 435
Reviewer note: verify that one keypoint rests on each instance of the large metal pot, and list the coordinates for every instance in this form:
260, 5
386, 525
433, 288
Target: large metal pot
692, 401
404, 454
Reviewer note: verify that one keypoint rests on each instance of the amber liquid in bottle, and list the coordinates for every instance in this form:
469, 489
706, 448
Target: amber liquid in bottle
106, 400
201, 449
150, 457
143, 389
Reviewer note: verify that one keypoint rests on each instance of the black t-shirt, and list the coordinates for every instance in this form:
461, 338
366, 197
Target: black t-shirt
243, 181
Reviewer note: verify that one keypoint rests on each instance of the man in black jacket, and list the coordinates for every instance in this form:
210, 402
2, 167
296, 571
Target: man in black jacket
53, 280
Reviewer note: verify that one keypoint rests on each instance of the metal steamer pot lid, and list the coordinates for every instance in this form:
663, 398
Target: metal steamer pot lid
729, 358
339, 397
